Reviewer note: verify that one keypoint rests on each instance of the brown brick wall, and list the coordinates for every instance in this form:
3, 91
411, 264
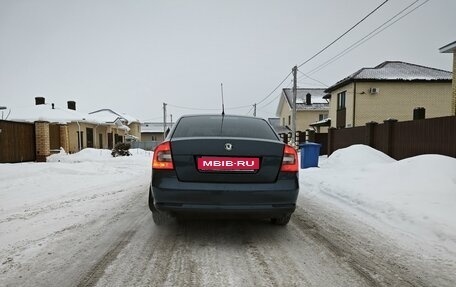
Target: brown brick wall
42, 140
64, 138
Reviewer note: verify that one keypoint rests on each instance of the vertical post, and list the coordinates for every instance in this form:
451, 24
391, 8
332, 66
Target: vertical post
310, 135
389, 124
64, 138
293, 114
370, 131
331, 132
254, 110
171, 119
164, 120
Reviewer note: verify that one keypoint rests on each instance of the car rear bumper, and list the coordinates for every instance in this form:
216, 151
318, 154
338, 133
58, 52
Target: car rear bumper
276, 198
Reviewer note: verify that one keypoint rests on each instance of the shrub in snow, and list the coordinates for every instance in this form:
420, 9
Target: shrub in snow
121, 149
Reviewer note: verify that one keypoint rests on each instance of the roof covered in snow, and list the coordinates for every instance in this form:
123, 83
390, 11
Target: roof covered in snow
152, 127
394, 71
450, 48
110, 116
316, 96
275, 123
48, 113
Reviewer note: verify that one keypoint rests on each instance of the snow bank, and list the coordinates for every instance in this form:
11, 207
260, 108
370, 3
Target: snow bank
355, 156
415, 197
38, 201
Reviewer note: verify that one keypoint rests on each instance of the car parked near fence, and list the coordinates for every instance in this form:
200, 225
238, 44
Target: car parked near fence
224, 164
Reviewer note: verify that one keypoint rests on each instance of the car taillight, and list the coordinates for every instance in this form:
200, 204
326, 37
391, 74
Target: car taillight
290, 160
162, 157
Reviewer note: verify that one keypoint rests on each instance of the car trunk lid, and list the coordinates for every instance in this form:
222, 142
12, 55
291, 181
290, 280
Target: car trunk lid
227, 160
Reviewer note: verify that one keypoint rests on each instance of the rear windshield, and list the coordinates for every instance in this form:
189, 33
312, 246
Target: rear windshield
228, 126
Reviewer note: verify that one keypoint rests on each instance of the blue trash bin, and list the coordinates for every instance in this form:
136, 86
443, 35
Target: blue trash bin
309, 154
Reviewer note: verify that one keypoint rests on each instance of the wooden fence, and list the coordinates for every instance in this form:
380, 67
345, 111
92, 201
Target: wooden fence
17, 142
400, 139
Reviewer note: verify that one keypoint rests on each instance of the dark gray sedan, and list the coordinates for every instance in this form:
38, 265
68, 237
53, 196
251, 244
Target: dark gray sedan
224, 164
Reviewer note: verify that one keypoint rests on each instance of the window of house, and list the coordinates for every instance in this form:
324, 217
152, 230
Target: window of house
289, 120
322, 117
341, 100
283, 121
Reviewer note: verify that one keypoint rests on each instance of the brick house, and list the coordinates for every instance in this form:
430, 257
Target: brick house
389, 90
451, 48
57, 127
311, 107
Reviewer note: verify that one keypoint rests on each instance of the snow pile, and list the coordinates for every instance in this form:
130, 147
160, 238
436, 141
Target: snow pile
356, 156
38, 201
413, 199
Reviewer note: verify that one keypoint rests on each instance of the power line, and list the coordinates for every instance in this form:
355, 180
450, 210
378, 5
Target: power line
249, 110
372, 34
359, 22
345, 33
356, 44
313, 79
275, 98
273, 91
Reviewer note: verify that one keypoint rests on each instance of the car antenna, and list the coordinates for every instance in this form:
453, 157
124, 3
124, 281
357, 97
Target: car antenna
223, 102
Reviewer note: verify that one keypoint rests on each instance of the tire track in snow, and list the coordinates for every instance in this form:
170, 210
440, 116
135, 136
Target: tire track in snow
97, 271
365, 262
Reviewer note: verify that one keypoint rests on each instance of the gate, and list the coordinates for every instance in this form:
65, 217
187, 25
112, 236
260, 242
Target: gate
17, 142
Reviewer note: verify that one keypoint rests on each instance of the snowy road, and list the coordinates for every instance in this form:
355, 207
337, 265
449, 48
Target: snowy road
124, 248
85, 222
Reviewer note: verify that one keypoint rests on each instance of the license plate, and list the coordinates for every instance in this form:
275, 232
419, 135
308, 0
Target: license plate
213, 163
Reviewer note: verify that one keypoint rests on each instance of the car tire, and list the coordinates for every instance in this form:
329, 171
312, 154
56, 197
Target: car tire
160, 218
282, 220
151, 201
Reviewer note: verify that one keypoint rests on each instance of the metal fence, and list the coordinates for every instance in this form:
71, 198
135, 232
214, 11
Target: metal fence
400, 139
145, 145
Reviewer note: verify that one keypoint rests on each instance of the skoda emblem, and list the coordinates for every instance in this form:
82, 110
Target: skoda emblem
228, 146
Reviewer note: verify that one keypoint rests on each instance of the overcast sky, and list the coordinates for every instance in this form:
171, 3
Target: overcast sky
131, 56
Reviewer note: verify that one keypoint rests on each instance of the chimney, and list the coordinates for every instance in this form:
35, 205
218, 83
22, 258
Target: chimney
72, 105
308, 99
39, 101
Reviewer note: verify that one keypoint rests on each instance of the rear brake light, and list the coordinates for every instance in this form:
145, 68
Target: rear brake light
162, 157
290, 160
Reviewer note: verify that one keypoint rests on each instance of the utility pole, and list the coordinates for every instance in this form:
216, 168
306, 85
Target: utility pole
164, 120
254, 110
171, 117
293, 114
